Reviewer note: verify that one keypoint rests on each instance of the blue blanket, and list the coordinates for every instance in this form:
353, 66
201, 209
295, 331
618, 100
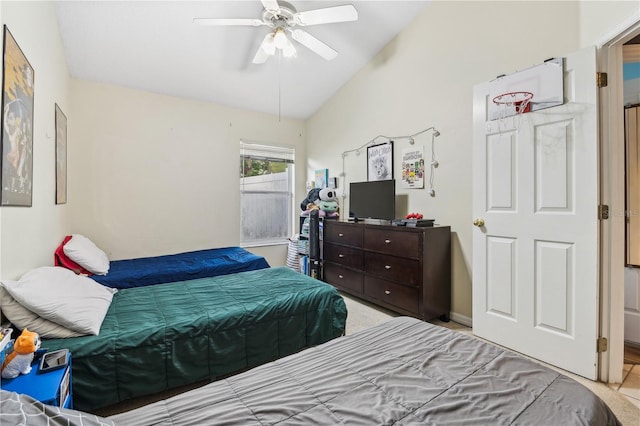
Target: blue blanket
145, 271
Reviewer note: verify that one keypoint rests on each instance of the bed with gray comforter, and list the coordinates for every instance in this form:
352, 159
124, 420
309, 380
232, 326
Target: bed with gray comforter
402, 372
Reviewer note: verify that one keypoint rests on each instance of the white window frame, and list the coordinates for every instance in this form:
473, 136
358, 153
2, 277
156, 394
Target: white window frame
264, 151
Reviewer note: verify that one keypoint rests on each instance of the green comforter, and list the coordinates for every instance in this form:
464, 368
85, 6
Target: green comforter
163, 336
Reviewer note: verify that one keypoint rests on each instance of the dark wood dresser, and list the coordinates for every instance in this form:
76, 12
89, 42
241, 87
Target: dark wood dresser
407, 270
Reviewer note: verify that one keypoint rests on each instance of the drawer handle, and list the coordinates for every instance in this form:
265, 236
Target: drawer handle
387, 241
387, 267
341, 276
341, 235
387, 292
341, 255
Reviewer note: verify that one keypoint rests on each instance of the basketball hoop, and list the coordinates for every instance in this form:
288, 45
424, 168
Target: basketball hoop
510, 104
521, 101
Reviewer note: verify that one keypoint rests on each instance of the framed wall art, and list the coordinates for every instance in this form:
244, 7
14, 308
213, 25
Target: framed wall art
380, 161
17, 125
321, 178
61, 156
413, 167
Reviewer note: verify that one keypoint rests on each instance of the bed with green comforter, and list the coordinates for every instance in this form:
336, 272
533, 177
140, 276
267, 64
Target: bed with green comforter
163, 336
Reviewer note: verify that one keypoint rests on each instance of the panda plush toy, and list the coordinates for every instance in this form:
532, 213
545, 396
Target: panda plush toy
325, 199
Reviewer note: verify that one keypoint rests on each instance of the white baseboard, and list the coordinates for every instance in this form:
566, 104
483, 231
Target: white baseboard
461, 319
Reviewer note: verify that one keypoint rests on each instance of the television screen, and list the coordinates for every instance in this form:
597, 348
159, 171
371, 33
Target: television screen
372, 200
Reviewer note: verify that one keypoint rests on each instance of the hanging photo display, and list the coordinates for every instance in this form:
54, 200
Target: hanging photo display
413, 167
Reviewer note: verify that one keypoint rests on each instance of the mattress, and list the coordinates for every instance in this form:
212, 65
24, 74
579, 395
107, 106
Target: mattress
145, 271
159, 337
403, 372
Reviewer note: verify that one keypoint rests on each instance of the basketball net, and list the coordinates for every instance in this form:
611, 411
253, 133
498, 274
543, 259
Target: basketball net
512, 104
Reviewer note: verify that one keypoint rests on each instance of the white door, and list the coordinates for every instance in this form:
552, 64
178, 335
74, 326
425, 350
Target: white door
535, 260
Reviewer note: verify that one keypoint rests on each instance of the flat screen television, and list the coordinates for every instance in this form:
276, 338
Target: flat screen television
372, 200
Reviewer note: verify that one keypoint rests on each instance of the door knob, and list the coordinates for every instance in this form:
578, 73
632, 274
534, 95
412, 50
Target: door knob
478, 222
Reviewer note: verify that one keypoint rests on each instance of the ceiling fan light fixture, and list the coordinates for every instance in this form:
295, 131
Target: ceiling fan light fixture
289, 51
269, 45
280, 39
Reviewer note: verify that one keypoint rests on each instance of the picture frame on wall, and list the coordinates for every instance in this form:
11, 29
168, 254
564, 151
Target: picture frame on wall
61, 156
17, 125
413, 167
321, 178
380, 161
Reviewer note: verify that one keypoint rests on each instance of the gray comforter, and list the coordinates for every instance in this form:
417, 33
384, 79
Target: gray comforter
403, 372
17, 409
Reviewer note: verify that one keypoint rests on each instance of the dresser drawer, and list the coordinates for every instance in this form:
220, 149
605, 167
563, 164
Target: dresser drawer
343, 278
346, 256
403, 297
399, 269
347, 234
399, 243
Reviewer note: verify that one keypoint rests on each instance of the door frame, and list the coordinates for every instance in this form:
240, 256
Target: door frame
612, 193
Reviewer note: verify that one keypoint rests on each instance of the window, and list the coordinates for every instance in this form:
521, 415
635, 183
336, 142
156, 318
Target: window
266, 194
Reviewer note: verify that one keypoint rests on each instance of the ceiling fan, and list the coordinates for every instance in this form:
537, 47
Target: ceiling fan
283, 19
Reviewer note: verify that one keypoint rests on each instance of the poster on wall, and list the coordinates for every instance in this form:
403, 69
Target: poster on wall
380, 161
17, 126
322, 178
413, 167
61, 156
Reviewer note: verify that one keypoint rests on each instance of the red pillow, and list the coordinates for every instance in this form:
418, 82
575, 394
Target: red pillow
61, 259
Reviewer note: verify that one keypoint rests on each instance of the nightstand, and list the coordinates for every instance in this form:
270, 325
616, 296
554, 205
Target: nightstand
52, 387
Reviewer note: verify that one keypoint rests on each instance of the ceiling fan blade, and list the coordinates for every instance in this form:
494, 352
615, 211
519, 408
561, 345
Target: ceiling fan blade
271, 5
312, 43
267, 48
248, 22
329, 15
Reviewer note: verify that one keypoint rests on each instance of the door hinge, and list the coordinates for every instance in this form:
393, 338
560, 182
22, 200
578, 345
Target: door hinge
601, 79
602, 344
603, 212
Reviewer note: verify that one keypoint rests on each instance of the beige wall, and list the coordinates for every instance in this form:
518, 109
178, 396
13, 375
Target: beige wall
424, 78
154, 174
600, 21
28, 236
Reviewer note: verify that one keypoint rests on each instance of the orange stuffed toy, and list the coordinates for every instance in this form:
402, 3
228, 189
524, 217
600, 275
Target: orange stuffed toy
19, 361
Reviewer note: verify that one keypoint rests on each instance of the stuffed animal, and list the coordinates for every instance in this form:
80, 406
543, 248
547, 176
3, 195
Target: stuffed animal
327, 194
312, 196
19, 361
324, 199
329, 206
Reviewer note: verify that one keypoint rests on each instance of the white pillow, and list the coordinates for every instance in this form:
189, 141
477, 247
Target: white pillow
23, 318
85, 253
59, 295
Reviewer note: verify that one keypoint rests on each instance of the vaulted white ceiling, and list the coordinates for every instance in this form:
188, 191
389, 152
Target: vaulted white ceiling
155, 46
